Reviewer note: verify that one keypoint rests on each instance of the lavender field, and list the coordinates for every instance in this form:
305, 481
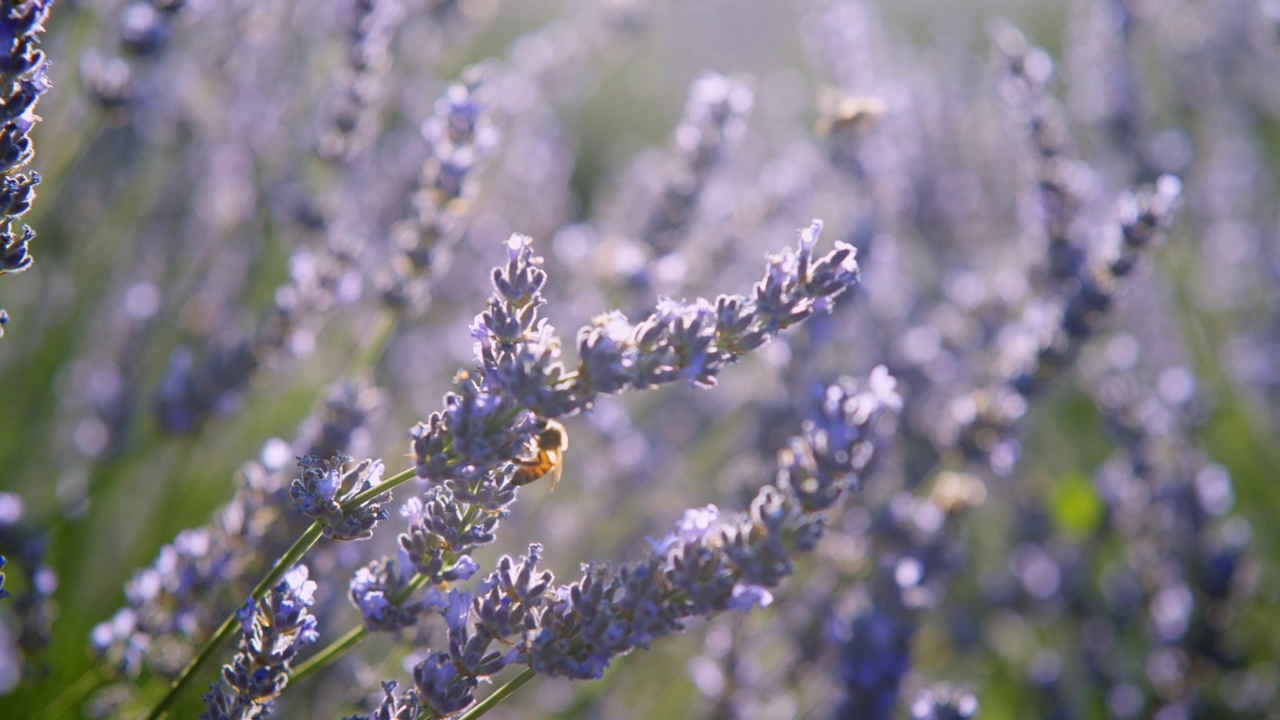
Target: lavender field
400, 359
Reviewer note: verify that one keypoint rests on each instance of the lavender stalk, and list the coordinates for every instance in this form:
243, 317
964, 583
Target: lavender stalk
23, 79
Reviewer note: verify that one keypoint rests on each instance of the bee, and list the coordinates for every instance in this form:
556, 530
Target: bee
853, 115
546, 455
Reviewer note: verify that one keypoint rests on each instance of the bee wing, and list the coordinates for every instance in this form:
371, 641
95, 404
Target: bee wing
557, 467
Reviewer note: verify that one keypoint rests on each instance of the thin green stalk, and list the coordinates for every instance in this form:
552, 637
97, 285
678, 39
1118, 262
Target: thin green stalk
323, 658
353, 637
375, 345
320, 660
74, 694
499, 695
394, 481
228, 627
286, 561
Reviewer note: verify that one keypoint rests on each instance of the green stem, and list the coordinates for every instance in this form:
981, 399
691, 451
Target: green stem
394, 481
228, 627
323, 658
499, 695
292, 556
375, 344
75, 694
353, 636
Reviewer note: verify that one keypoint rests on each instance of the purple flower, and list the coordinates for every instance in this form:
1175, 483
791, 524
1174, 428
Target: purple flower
797, 285
377, 591
273, 631
439, 534
353, 119
608, 355
459, 137
838, 440
23, 78
491, 419
707, 563
693, 527
511, 595
446, 681
316, 494
442, 689
405, 707
715, 119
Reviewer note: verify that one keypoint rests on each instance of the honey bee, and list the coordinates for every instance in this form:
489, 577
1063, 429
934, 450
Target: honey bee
840, 113
545, 456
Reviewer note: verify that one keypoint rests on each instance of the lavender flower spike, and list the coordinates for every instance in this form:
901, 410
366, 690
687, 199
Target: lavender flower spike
709, 563
405, 707
274, 629
489, 419
22, 82
319, 494
375, 587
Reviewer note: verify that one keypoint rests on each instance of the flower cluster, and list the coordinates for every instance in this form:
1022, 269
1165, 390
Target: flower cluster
380, 592
274, 629
491, 419
708, 563
1060, 177
178, 600
34, 608
353, 120
145, 28
194, 388
459, 136
23, 79
489, 422
1186, 565
715, 119
1052, 332
324, 489
162, 619
466, 451
915, 553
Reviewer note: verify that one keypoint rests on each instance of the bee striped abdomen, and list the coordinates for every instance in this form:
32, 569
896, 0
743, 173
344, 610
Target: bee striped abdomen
545, 457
